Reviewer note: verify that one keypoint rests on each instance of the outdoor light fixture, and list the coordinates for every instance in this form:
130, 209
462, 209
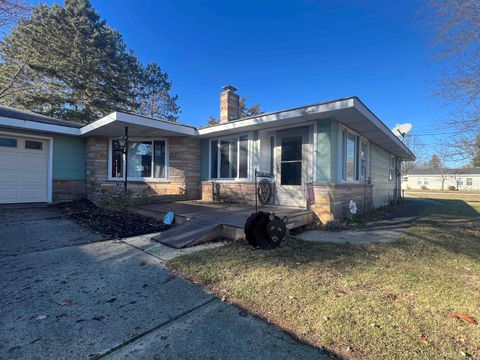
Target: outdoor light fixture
122, 145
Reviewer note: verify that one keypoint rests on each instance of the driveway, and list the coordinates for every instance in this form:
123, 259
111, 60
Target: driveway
66, 293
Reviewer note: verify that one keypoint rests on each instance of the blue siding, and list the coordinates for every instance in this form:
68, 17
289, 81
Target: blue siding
68, 158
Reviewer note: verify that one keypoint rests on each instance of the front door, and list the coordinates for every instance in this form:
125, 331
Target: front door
291, 161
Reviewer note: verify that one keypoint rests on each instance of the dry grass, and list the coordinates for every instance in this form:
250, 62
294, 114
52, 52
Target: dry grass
377, 301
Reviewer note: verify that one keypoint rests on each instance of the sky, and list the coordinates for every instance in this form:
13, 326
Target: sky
284, 54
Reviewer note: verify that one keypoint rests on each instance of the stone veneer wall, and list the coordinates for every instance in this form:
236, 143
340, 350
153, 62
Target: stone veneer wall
184, 171
68, 190
235, 192
331, 201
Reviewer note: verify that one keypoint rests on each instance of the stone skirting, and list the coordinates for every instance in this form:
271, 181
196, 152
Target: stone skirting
331, 201
183, 173
68, 190
233, 192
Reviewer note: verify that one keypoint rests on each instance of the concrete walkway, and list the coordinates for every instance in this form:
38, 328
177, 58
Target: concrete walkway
386, 227
117, 299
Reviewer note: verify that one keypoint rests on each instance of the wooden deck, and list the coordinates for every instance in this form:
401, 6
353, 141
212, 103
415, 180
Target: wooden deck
198, 222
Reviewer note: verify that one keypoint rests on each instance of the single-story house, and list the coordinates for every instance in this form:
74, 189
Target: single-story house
467, 179
321, 156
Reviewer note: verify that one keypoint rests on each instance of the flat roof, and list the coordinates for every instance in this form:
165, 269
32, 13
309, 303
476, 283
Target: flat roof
9, 112
351, 112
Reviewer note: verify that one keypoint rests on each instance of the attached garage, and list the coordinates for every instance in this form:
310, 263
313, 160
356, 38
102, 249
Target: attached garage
24, 169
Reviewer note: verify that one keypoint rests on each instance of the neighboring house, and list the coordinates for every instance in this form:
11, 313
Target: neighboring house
467, 179
321, 155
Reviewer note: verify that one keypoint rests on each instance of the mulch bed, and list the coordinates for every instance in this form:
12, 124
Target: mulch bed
111, 223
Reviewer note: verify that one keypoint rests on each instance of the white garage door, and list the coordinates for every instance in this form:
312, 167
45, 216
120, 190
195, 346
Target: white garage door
23, 170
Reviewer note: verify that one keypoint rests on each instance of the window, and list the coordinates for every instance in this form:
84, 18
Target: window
147, 159
460, 182
354, 156
405, 178
419, 181
7, 142
243, 157
291, 161
425, 181
214, 159
33, 145
350, 157
117, 160
392, 168
229, 158
363, 160
469, 181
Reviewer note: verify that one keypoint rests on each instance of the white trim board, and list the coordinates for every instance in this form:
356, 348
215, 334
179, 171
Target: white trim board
38, 126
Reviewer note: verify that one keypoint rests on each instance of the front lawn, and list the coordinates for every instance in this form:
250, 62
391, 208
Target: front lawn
377, 301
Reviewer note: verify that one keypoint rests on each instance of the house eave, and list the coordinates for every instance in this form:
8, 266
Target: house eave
349, 111
38, 126
115, 123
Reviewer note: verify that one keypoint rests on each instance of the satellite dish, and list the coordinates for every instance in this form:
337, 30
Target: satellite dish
402, 129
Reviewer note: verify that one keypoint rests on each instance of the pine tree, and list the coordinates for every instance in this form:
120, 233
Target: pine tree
249, 111
154, 94
435, 162
66, 62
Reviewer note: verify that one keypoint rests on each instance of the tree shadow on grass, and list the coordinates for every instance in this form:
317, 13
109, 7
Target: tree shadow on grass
428, 225
432, 207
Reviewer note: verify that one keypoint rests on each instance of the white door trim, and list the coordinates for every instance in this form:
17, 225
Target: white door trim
305, 133
50, 156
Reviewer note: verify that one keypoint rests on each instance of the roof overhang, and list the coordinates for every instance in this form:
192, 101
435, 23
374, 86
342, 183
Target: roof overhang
38, 126
138, 126
351, 112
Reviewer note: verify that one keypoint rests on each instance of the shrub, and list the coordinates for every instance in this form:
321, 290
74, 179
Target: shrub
451, 187
424, 187
117, 200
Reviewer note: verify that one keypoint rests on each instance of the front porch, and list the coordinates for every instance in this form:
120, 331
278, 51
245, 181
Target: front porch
199, 221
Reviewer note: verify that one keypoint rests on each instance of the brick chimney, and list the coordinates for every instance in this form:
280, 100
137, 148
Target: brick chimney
229, 104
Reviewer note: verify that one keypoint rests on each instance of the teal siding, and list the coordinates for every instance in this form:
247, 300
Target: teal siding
68, 158
326, 154
204, 159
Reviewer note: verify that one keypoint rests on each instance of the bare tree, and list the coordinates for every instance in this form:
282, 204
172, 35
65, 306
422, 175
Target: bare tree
444, 155
457, 178
418, 149
11, 11
457, 32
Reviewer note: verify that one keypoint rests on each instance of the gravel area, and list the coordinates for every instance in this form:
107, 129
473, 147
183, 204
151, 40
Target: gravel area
111, 223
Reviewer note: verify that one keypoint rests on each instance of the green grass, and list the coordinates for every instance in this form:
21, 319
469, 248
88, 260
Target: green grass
453, 204
377, 301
